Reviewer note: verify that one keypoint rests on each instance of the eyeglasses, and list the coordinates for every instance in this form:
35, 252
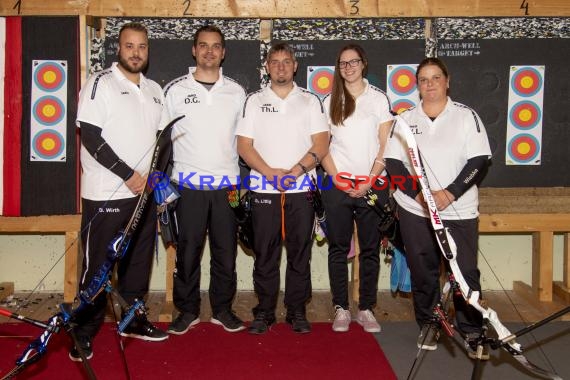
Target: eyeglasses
351, 63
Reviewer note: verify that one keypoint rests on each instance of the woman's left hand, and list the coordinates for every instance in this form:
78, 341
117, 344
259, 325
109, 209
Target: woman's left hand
442, 198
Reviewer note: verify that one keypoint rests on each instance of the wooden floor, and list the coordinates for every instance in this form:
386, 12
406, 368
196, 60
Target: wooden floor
510, 306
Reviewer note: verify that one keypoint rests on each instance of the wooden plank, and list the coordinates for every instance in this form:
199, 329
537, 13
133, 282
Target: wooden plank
521, 223
566, 261
6, 290
288, 8
542, 243
43, 224
72, 273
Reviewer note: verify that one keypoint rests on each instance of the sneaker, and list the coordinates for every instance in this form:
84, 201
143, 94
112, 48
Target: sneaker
183, 323
143, 329
366, 319
85, 346
229, 321
427, 340
299, 322
342, 319
261, 323
471, 345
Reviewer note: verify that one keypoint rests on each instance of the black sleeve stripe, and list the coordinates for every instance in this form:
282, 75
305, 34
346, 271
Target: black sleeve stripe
472, 113
316, 96
383, 93
172, 83
247, 100
236, 82
99, 76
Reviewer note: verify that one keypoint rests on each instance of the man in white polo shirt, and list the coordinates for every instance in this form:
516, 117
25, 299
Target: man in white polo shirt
119, 113
205, 166
282, 136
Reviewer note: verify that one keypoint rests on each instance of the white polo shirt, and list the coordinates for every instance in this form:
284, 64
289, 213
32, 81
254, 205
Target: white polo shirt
281, 130
204, 142
129, 116
445, 145
354, 144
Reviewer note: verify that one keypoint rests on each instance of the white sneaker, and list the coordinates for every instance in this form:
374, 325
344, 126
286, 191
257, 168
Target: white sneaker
342, 319
366, 319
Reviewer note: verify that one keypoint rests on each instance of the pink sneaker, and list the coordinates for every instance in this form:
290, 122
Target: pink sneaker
366, 319
342, 319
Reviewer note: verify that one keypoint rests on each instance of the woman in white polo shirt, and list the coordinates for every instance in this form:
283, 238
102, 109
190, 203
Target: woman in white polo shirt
455, 150
360, 119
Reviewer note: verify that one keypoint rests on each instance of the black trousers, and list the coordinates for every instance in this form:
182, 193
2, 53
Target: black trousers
424, 258
342, 212
202, 212
298, 217
101, 222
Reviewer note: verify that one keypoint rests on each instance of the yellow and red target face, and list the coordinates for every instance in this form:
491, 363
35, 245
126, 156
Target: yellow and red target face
402, 80
524, 148
320, 79
525, 115
401, 105
48, 110
49, 77
526, 81
524, 122
48, 144
401, 87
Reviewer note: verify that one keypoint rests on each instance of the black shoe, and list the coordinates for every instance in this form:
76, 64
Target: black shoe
299, 322
261, 323
472, 344
429, 334
228, 320
143, 329
183, 323
85, 346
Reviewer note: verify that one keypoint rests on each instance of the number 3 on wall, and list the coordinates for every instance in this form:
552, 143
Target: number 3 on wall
354, 10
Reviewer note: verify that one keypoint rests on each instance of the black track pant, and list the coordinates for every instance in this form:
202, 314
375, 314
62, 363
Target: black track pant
202, 212
424, 257
101, 222
297, 215
342, 212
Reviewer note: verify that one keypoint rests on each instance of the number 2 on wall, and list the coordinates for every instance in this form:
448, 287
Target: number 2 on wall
186, 10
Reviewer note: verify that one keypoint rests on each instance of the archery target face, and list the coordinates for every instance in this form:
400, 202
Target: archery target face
48, 110
524, 148
526, 81
48, 144
49, 76
401, 105
525, 115
402, 80
320, 79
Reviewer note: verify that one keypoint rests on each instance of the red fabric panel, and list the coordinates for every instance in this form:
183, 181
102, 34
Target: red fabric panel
12, 117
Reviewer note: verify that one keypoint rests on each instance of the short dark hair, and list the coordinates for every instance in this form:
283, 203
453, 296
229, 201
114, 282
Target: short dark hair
432, 61
210, 28
136, 26
281, 46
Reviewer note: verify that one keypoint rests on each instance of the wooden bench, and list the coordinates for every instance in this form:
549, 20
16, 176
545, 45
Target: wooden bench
536, 211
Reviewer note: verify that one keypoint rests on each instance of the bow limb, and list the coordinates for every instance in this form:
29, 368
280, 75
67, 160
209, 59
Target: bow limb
449, 250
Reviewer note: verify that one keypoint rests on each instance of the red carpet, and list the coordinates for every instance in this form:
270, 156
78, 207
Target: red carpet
208, 352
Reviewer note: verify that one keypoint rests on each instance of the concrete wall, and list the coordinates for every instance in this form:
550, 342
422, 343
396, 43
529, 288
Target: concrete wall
27, 259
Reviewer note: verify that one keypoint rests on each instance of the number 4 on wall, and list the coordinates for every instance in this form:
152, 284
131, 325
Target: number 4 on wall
524, 5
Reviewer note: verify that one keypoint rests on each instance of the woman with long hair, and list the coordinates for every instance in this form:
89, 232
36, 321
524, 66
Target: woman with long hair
360, 120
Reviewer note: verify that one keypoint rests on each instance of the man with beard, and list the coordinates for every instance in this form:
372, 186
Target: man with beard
282, 136
205, 166
119, 114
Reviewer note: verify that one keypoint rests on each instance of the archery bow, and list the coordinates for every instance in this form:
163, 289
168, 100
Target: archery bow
100, 281
449, 249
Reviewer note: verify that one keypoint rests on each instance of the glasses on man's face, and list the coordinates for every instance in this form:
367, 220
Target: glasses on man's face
351, 63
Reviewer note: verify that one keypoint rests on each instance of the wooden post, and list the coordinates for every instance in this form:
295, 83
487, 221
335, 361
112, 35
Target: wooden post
562, 288
168, 308
542, 264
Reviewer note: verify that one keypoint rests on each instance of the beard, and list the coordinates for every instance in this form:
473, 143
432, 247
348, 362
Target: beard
125, 64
